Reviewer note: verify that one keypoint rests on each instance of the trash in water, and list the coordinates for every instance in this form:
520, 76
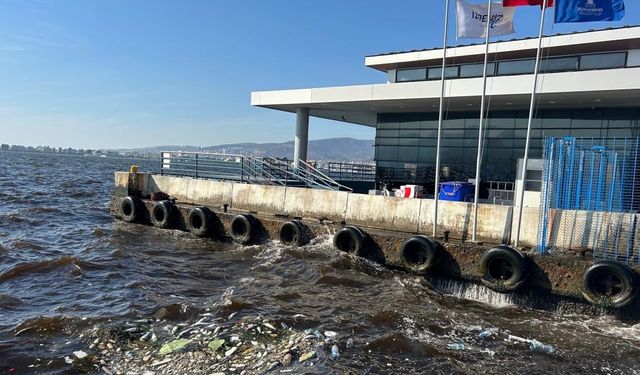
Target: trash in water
307, 356
335, 352
230, 351
215, 344
540, 347
286, 361
534, 345
80, 354
173, 346
146, 336
518, 339
330, 334
456, 346
490, 352
350, 343
318, 335
488, 333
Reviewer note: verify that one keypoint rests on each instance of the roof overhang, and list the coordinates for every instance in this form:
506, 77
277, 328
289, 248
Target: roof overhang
362, 104
626, 38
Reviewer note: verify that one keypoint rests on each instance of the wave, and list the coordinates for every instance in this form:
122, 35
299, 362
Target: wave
40, 209
44, 325
12, 218
81, 194
47, 265
25, 244
8, 302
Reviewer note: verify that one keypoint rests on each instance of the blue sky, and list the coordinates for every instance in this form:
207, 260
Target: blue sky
130, 73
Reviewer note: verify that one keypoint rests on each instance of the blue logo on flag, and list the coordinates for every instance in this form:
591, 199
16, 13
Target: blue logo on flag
589, 10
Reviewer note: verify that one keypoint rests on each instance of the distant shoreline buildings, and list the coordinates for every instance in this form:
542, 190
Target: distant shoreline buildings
78, 152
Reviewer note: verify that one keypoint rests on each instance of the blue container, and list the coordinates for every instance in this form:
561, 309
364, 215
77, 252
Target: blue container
456, 191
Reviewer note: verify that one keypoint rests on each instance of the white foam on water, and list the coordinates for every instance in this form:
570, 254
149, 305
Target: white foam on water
476, 292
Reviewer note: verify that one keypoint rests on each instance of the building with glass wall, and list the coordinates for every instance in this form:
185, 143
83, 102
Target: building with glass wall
589, 86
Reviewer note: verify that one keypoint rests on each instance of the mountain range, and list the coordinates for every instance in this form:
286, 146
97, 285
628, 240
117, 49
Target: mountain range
333, 149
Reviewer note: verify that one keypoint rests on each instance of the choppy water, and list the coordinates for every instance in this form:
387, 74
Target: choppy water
66, 265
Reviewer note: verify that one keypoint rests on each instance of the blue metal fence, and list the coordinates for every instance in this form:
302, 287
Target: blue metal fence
589, 198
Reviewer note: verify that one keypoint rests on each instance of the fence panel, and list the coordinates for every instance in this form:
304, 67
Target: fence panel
589, 198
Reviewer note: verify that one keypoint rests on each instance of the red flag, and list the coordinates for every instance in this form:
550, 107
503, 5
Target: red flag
515, 3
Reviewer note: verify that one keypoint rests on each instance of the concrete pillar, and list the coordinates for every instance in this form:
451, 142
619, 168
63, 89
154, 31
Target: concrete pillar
302, 136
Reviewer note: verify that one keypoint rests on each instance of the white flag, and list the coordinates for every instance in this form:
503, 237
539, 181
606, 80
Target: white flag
472, 20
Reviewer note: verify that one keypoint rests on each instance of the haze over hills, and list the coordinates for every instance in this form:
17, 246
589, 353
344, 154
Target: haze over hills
322, 149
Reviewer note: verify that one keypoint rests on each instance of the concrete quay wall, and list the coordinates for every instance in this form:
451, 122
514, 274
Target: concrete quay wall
387, 221
549, 275
495, 222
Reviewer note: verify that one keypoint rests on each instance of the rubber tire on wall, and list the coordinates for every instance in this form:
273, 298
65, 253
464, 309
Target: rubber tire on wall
350, 239
628, 279
515, 260
246, 223
427, 251
168, 210
205, 217
133, 206
296, 228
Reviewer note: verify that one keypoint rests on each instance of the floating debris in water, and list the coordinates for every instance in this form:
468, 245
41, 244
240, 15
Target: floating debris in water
335, 352
537, 346
331, 334
215, 344
307, 356
80, 354
230, 352
350, 343
286, 361
210, 344
488, 333
173, 346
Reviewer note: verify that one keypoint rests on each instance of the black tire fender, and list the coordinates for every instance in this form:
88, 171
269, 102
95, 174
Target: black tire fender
610, 284
419, 254
292, 233
504, 269
131, 209
163, 214
200, 221
242, 228
350, 239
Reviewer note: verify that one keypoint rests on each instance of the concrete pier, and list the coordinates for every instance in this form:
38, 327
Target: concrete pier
388, 222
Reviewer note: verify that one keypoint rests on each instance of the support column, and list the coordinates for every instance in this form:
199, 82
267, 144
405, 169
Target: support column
302, 136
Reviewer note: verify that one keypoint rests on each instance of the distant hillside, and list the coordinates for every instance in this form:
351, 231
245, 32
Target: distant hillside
323, 149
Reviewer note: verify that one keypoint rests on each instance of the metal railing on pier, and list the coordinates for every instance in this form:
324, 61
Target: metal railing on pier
245, 169
351, 171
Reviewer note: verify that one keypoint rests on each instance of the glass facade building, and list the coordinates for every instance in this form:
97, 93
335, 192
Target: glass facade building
405, 146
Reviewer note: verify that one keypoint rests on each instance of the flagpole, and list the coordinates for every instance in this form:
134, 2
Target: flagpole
479, 159
523, 175
440, 118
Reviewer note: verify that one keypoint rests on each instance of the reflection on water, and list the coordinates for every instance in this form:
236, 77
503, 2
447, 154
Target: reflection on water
65, 266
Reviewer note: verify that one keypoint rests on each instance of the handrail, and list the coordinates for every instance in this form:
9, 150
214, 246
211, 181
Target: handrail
246, 169
324, 177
